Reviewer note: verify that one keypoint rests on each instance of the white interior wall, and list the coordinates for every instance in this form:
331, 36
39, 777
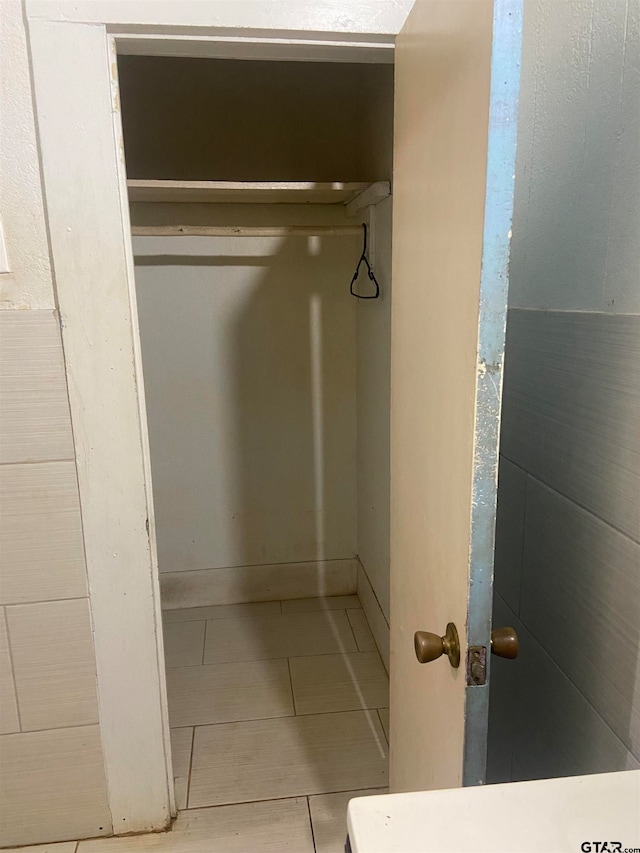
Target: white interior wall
243, 475
249, 355
28, 284
373, 396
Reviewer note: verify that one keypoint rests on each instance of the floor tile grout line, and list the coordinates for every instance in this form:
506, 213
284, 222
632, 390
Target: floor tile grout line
313, 835
334, 654
51, 728
296, 715
208, 607
14, 681
281, 657
204, 641
311, 563
243, 720
287, 797
247, 617
293, 695
280, 601
355, 639
384, 731
373, 710
193, 740
357, 605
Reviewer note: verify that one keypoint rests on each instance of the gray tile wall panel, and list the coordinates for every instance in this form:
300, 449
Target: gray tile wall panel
571, 409
541, 725
581, 600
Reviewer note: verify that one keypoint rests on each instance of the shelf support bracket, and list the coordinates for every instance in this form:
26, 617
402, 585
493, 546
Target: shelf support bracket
373, 194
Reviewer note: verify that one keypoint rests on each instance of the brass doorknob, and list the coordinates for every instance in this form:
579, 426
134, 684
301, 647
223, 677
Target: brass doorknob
430, 646
504, 643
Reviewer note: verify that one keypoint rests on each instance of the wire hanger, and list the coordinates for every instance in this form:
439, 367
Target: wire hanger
363, 259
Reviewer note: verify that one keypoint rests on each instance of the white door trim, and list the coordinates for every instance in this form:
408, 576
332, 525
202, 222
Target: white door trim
242, 47
86, 208
350, 20
74, 70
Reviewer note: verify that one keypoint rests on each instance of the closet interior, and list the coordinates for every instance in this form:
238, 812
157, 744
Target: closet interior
252, 188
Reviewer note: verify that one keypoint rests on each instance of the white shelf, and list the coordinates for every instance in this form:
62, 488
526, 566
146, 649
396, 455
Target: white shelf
251, 192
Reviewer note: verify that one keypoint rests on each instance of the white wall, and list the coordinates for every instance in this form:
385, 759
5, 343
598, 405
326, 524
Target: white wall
373, 390
253, 452
29, 283
216, 466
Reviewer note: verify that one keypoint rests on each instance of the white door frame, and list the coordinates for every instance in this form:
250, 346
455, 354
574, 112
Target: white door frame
73, 49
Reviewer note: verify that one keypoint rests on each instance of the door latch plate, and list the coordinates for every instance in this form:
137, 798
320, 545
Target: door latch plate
476, 666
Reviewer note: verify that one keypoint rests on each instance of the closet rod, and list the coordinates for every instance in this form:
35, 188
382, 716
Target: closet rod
245, 230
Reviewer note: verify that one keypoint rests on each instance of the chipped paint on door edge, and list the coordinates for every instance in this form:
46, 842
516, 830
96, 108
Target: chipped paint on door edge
494, 285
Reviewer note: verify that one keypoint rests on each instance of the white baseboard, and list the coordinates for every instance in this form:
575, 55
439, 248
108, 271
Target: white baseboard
240, 584
375, 616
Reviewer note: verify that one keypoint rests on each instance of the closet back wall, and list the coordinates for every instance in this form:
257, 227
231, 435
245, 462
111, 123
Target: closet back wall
249, 355
239, 120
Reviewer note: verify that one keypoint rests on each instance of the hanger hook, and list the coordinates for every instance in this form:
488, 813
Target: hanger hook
370, 274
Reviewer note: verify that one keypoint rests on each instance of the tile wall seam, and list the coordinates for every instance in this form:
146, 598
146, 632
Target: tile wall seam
15, 463
13, 670
44, 601
52, 729
595, 710
555, 663
580, 311
572, 501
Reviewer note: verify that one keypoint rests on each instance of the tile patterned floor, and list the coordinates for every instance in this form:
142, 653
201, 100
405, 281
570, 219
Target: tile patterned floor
279, 716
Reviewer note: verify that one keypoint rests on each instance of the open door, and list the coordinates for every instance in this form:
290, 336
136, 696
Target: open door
457, 80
